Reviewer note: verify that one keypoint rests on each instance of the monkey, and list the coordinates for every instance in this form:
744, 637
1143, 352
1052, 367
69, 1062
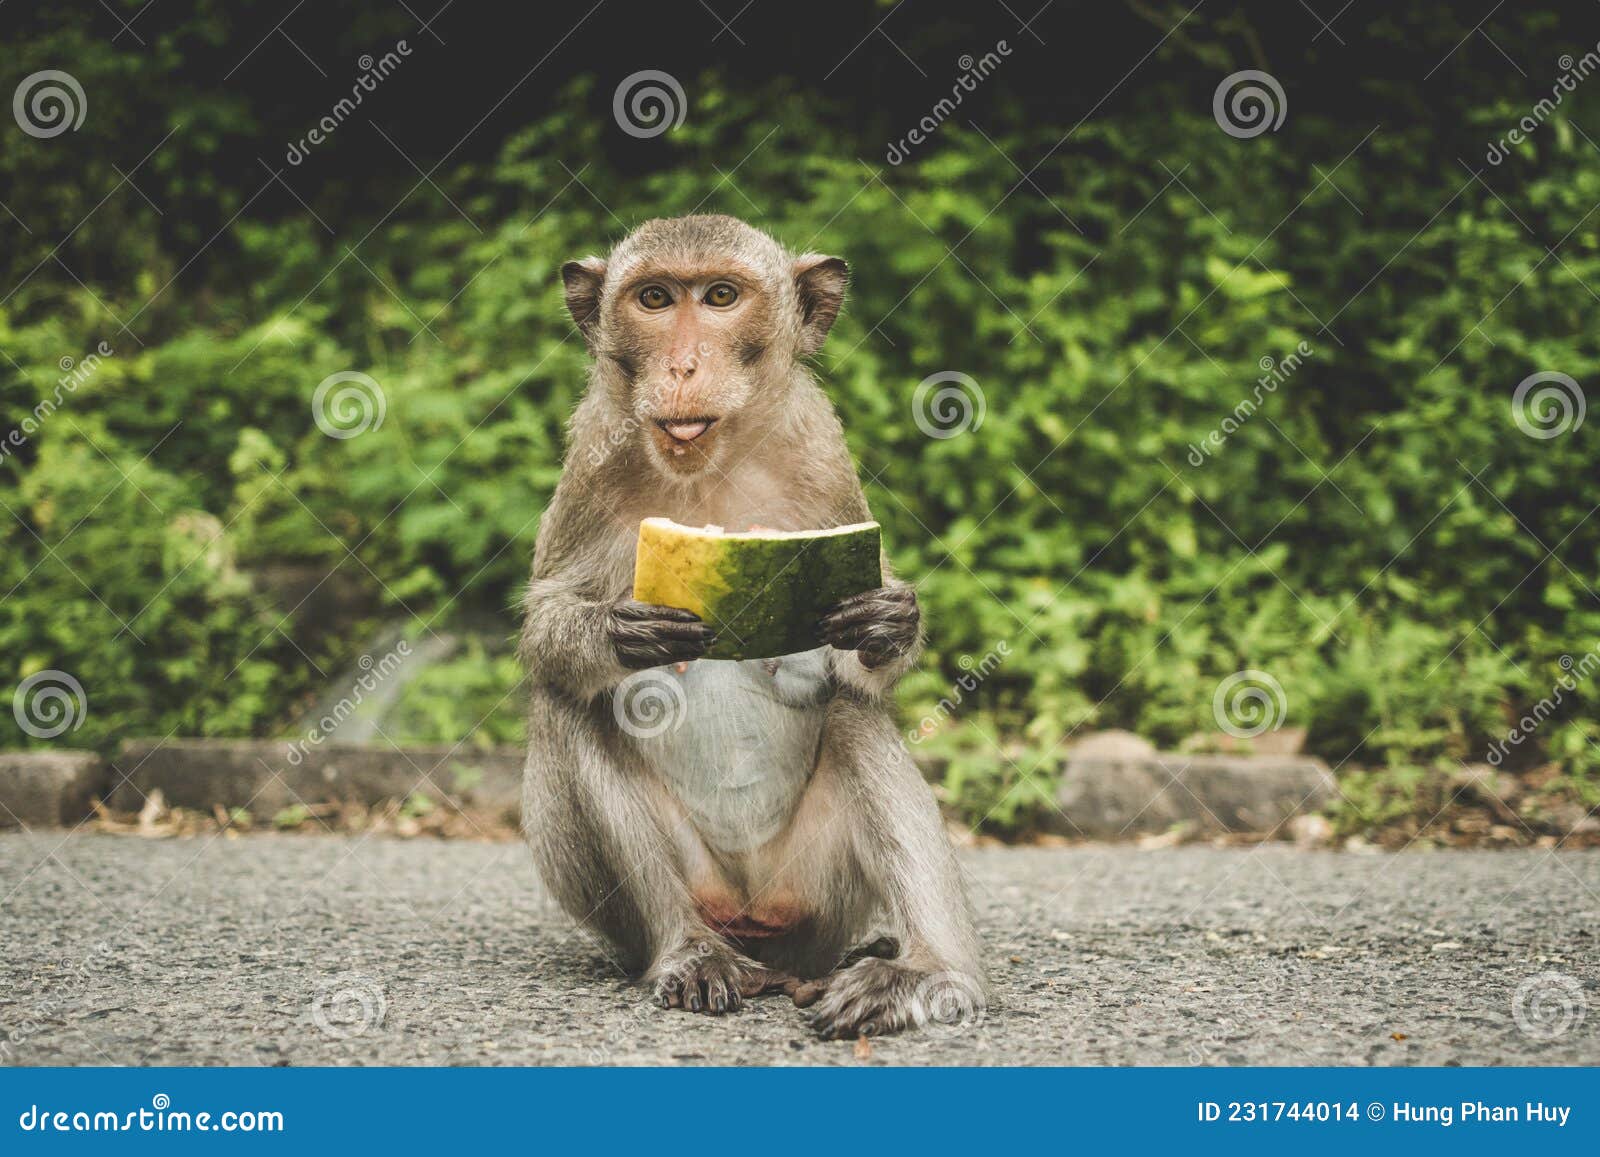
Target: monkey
753, 845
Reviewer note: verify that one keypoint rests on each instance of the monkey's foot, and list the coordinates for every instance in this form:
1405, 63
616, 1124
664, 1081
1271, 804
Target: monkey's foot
883, 948
706, 975
872, 997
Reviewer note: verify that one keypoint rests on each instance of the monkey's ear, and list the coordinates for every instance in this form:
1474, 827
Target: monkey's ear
582, 281
821, 282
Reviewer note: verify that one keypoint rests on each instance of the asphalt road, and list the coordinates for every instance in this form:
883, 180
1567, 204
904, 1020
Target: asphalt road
301, 950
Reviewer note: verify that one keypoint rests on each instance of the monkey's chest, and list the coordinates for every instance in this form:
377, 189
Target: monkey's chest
742, 744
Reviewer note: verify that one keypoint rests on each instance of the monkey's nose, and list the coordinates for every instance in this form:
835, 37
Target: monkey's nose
685, 430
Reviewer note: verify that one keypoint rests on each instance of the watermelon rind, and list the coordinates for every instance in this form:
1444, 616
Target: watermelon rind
763, 591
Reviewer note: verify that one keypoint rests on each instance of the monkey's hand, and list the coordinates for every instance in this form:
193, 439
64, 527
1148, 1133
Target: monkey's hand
643, 635
878, 625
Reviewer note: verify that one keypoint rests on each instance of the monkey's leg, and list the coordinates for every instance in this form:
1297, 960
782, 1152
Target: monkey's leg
610, 845
901, 845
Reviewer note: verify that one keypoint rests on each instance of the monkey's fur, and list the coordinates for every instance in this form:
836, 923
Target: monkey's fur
754, 845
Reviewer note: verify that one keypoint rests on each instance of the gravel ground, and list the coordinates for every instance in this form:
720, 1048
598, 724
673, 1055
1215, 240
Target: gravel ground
302, 950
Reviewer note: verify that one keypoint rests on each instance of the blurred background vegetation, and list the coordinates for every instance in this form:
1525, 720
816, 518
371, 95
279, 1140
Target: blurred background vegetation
1080, 237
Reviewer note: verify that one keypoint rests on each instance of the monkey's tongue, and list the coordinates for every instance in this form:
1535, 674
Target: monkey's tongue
685, 431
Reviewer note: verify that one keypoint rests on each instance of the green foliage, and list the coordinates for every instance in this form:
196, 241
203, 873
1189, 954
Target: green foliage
1377, 534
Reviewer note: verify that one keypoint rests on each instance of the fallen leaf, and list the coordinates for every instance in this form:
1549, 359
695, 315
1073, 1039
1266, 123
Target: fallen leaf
863, 1048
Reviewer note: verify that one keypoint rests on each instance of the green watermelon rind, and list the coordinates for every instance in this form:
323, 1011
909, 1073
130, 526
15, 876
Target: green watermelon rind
764, 593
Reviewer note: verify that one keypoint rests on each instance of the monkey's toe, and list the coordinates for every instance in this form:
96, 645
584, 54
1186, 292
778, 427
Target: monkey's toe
708, 978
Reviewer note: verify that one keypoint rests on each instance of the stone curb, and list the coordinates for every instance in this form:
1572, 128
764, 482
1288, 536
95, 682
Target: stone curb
48, 789
1104, 794
1117, 797
266, 776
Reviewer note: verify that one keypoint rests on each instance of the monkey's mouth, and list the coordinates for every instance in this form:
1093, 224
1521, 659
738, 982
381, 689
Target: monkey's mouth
685, 430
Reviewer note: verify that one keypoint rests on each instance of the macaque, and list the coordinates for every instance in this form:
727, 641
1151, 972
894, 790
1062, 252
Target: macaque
779, 823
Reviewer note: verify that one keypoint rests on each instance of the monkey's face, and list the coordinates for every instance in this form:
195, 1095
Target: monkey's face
702, 320
693, 344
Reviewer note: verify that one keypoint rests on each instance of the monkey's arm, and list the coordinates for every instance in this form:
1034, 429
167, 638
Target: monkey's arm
584, 646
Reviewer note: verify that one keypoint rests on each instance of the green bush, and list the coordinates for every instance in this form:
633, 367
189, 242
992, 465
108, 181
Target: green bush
1378, 535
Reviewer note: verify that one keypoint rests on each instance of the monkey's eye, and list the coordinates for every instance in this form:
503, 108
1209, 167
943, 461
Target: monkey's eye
721, 295
654, 297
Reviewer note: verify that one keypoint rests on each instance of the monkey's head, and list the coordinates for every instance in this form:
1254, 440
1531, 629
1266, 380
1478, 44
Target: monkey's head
699, 323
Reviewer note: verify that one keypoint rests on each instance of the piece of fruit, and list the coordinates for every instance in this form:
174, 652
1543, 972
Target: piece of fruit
763, 590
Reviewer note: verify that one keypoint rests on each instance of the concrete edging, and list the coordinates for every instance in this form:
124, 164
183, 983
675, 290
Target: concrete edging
1105, 792
48, 788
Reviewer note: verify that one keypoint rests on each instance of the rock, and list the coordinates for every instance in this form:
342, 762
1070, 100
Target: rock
1113, 744
1481, 784
49, 788
1121, 797
1311, 830
1279, 741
